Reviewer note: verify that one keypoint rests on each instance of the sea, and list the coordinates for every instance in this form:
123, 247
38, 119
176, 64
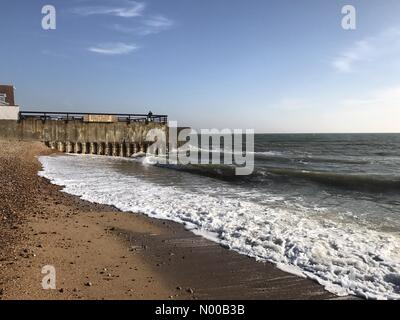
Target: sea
321, 206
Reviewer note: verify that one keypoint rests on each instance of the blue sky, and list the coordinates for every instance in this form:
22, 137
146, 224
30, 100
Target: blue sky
274, 66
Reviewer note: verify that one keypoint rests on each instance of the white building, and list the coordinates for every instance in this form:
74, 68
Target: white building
8, 109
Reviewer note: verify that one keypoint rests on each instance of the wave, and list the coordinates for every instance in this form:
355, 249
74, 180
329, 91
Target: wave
367, 182
278, 156
219, 171
345, 258
362, 182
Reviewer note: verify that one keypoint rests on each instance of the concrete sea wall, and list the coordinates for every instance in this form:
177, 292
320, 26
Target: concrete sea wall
76, 136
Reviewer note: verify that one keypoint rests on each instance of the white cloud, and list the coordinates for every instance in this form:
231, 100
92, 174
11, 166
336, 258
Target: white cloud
113, 48
127, 9
377, 111
158, 22
370, 49
382, 99
144, 25
361, 51
151, 25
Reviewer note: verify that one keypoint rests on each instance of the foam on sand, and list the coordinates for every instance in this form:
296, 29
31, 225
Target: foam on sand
345, 258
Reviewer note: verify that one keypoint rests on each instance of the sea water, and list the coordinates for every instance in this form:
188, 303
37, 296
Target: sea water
326, 207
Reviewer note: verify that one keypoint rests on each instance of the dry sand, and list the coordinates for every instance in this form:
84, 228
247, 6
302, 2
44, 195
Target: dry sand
101, 253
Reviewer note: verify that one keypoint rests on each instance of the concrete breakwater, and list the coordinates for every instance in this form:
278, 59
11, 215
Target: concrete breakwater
118, 138
99, 148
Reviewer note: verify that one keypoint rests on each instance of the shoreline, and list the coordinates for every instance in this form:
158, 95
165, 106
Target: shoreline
100, 252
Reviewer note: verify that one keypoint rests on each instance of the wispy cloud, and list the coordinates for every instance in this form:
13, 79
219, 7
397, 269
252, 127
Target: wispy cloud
380, 99
151, 25
369, 49
113, 48
144, 24
158, 22
361, 51
375, 111
126, 9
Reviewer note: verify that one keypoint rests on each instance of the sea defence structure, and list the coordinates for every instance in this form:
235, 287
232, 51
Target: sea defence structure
85, 133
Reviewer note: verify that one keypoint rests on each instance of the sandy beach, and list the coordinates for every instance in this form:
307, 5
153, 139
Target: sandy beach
101, 253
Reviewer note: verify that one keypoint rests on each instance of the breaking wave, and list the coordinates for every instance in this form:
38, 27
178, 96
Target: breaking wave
344, 257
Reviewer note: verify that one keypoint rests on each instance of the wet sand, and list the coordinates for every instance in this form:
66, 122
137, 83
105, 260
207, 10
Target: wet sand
101, 253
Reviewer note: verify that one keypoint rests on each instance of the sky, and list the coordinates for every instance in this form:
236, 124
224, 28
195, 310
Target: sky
275, 66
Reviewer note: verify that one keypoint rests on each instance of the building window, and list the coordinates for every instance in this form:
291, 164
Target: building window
3, 97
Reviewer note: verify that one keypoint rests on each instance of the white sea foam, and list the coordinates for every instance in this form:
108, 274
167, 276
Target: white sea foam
344, 258
215, 149
138, 155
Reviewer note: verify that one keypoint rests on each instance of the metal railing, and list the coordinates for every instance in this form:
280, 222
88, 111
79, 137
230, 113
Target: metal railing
70, 116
